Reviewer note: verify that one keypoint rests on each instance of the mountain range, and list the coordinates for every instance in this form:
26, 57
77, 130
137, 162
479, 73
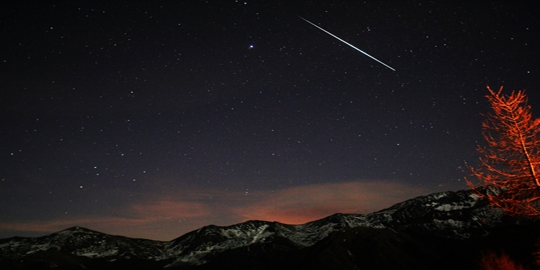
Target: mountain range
447, 230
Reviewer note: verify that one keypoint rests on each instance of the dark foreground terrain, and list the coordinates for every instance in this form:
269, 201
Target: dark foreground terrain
449, 230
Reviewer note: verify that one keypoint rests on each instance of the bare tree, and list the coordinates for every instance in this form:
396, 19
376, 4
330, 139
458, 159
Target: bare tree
509, 165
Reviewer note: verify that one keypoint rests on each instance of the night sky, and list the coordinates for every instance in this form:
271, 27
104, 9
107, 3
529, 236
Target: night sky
154, 119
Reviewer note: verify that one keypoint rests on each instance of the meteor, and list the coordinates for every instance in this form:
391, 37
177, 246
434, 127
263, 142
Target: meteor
352, 46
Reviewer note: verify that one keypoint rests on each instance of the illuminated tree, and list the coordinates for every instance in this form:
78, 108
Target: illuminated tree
509, 165
493, 261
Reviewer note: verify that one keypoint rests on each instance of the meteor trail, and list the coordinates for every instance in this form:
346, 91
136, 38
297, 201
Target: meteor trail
349, 44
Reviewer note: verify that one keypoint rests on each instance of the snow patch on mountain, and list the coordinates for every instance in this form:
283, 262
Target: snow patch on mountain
446, 214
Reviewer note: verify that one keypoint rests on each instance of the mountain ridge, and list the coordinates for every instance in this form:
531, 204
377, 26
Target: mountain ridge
452, 217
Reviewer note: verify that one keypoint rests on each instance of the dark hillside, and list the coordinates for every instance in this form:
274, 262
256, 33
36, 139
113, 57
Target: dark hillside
448, 230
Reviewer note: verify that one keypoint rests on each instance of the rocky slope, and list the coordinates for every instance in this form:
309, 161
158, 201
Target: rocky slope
420, 233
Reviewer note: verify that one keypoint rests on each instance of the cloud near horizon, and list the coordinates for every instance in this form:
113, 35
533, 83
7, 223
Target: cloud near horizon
167, 215
298, 205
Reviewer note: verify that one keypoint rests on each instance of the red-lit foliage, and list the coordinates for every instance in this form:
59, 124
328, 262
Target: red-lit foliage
509, 164
492, 261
